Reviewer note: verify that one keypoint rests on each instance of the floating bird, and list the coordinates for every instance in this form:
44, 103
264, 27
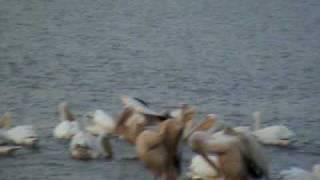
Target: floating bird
295, 173
20, 135
158, 149
68, 126
273, 135
23, 135
239, 155
100, 122
85, 146
8, 150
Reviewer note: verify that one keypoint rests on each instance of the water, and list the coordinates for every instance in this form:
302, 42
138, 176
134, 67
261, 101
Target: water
225, 57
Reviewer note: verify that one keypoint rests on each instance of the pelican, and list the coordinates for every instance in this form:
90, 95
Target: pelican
273, 135
295, 173
100, 122
130, 124
23, 135
68, 126
200, 169
8, 150
239, 155
158, 149
205, 125
140, 106
20, 135
85, 146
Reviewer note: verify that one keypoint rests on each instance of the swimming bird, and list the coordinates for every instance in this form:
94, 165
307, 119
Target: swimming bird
295, 173
20, 135
100, 122
132, 121
158, 149
8, 150
68, 126
239, 155
272, 135
85, 146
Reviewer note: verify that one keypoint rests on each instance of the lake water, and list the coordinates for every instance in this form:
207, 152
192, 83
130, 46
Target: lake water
226, 57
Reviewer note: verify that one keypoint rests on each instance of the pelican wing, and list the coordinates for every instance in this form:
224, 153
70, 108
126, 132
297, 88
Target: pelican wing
138, 105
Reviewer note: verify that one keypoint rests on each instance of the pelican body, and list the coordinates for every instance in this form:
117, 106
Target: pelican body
68, 125
19, 135
158, 149
239, 155
100, 122
85, 146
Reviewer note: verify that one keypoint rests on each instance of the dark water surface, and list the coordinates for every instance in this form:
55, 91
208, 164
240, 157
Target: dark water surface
225, 57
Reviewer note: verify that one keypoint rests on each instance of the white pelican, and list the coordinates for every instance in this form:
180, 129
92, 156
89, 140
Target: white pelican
273, 135
20, 135
68, 126
130, 124
295, 173
140, 106
239, 155
100, 122
85, 146
158, 150
8, 150
23, 135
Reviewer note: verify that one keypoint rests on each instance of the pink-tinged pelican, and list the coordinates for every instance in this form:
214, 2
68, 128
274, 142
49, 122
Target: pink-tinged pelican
158, 149
239, 155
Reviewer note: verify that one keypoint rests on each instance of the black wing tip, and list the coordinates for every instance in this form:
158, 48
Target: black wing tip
141, 101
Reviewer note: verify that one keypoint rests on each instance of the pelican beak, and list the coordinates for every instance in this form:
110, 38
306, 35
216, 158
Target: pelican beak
203, 126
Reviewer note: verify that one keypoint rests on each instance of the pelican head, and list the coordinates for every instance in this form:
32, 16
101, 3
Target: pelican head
65, 113
5, 120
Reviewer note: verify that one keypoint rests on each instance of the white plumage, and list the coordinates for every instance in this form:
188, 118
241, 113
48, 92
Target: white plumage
200, 169
100, 123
